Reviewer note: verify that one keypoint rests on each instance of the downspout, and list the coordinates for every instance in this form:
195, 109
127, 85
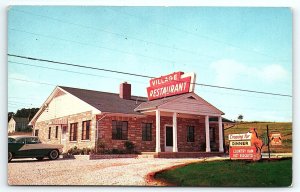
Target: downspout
97, 134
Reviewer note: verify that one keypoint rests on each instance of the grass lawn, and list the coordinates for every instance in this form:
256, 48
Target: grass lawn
231, 174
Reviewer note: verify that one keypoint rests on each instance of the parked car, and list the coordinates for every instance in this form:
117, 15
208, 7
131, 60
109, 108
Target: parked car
24, 146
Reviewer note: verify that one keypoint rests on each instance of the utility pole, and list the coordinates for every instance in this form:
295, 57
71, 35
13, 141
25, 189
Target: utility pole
268, 141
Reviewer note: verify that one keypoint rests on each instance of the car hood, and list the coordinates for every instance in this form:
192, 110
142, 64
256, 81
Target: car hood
49, 146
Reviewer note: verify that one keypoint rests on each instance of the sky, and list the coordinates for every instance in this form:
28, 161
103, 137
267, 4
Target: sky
245, 48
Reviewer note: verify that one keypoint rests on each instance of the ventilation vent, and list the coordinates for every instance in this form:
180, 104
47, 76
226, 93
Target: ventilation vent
191, 97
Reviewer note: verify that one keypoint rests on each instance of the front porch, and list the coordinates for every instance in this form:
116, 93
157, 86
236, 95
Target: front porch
181, 154
188, 123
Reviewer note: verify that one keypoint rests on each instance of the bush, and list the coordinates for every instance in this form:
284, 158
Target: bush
129, 146
100, 148
77, 151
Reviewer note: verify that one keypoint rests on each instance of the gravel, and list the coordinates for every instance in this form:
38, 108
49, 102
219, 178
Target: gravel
126, 171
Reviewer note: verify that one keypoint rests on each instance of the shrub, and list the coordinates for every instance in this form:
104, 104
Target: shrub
100, 148
129, 146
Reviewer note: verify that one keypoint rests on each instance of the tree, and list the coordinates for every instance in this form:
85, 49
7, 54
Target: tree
10, 114
240, 117
27, 113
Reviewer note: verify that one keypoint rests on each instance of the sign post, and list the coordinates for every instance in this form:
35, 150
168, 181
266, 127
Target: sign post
268, 142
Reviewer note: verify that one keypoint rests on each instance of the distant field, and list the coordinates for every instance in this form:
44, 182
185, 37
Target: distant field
284, 128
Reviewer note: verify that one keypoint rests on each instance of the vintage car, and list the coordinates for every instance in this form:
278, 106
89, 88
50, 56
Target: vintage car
31, 147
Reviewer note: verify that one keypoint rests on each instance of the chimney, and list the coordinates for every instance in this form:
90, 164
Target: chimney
125, 90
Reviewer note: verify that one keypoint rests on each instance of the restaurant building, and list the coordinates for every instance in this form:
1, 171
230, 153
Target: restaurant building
172, 119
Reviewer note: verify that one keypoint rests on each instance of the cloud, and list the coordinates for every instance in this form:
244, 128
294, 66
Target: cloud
273, 73
229, 71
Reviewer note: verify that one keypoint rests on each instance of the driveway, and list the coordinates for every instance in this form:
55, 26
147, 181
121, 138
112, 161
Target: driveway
126, 171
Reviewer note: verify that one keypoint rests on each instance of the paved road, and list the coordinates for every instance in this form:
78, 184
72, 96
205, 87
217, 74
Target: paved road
130, 171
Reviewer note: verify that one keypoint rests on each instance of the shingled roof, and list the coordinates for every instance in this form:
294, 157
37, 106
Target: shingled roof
107, 102
155, 103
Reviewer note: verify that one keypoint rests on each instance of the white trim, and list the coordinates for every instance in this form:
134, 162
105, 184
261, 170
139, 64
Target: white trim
207, 139
187, 112
175, 148
49, 99
168, 148
157, 140
221, 149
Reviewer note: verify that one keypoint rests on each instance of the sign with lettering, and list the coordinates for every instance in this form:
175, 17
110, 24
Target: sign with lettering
275, 139
238, 137
239, 143
172, 84
242, 152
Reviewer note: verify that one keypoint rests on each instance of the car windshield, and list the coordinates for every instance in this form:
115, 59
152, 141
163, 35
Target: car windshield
28, 140
11, 140
32, 140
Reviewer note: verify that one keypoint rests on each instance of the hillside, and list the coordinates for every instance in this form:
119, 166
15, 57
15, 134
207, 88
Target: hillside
284, 128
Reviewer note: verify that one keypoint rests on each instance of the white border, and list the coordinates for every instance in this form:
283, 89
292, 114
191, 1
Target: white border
252, 3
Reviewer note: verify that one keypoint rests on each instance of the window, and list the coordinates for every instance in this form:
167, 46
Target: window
146, 131
49, 133
119, 130
212, 133
73, 132
22, 140
56, 132
190, 134
85, 130
36, 132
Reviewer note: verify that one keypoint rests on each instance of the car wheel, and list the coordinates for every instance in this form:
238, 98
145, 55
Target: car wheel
10, 156
53, 154
39, 158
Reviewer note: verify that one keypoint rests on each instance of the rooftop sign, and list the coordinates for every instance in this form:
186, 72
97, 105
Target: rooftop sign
172, 84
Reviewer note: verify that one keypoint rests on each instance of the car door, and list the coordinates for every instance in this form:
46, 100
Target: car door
20, 149
33, 147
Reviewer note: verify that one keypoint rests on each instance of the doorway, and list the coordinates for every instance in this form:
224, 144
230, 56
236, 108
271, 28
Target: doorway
169, 139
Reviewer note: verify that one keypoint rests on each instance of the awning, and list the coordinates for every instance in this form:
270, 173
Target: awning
62, 121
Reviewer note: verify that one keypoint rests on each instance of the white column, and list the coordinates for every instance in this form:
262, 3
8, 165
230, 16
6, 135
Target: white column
157, 148
221, 149
207, 133
175, 149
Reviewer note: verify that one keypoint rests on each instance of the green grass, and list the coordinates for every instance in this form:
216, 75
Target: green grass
285, 128
231, 174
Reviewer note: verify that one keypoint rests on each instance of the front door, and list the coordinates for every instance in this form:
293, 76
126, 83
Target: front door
64, 138
169, 139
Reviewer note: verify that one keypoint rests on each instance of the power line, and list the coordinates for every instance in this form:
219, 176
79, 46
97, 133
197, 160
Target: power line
64, 70
31, 81
117, 34
91, 45
37, 66
196, 35
145, 76
87, 44
124, 36
225, 106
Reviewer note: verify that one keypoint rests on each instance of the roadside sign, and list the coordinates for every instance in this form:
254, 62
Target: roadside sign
239, 143
242, 152
238, 137
275, 139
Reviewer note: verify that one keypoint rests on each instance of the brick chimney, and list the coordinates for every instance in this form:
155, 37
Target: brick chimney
125, 90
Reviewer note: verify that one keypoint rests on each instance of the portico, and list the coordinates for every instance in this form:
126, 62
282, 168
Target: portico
191, 109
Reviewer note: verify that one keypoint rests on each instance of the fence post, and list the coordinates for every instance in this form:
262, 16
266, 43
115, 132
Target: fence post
268, 141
